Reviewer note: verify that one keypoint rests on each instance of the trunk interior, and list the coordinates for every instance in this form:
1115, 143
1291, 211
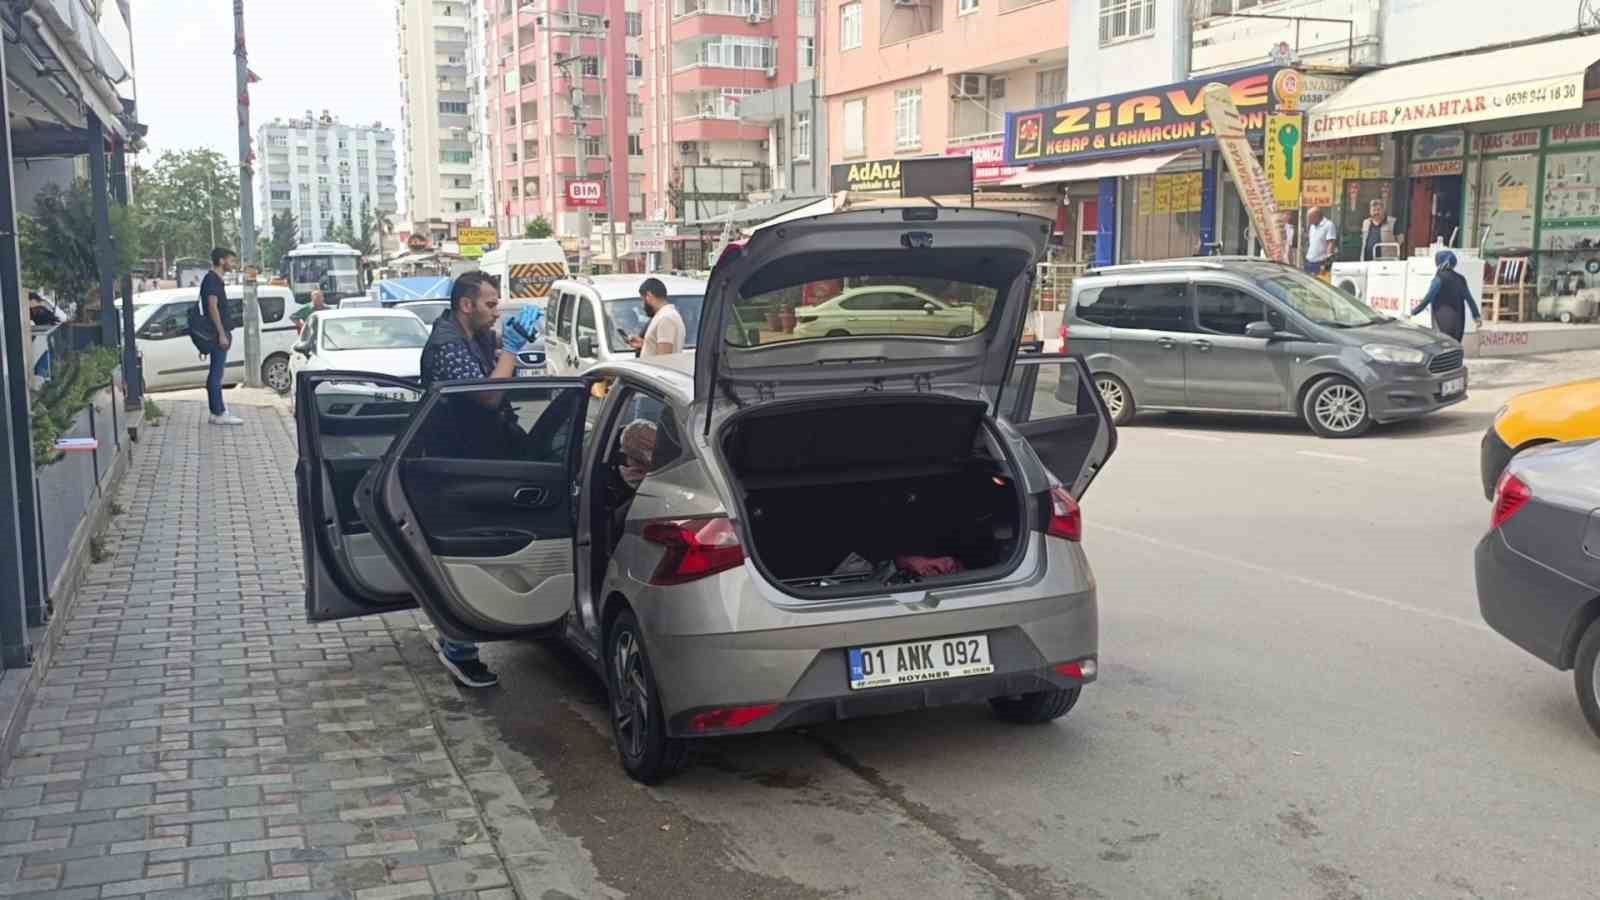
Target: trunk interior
872, 494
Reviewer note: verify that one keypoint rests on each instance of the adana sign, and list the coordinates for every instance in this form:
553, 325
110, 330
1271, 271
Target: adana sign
1247, 175
1135, 123
925, 177
586, 192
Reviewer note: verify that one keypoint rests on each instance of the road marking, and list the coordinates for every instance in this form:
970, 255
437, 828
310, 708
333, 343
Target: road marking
1334, 456
1194, 437
1290, 576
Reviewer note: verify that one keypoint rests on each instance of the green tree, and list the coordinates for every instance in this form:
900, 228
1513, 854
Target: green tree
285, 237
57, 244
539, 228
365, 235
182, 199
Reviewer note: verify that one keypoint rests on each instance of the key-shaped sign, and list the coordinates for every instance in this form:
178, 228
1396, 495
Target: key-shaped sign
1288, 137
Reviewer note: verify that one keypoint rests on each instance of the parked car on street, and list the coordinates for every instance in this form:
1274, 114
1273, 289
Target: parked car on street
380, 341
589, 320
1538, 567
882, 309
749, 546
161, 333
1243, 335
1564, 412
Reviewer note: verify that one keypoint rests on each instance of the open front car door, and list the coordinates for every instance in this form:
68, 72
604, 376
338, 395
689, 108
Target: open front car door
470, 507
1051, 401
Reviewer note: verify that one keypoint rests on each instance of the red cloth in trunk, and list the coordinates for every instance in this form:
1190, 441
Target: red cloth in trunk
928, 566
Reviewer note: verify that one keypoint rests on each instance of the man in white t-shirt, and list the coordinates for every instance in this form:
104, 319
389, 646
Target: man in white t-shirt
1322, 241
666, 332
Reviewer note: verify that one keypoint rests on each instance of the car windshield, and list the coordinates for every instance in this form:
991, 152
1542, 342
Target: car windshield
373, 333
1319, 301
875, 305
312, 269
427, 312
627, 318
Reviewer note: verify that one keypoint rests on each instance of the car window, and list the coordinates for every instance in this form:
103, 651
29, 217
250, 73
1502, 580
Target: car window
586, 325
564, 320
760, 318
1156, 306
645, 438
525, 424
374, 333
271, 306
356, 422
864, 302
1096, 305
1226, 310
626, 318
168, 322
1317, 300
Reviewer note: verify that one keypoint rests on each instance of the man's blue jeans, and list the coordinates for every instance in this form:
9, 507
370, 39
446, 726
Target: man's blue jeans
458, 651
219, 365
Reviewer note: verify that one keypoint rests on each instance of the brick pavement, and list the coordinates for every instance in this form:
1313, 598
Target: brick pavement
194, 737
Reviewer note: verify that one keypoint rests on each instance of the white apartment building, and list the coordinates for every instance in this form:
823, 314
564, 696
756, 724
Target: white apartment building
324, 172
439, 111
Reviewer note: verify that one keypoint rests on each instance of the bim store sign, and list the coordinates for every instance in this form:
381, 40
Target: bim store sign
1164, 118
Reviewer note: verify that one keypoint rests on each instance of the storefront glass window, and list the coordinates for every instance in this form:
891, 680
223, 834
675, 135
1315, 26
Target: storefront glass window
1161, 216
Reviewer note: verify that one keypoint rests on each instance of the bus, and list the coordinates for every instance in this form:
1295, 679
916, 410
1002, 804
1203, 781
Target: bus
333, 267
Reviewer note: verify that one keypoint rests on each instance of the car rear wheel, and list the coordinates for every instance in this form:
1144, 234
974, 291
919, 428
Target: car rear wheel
637, 725
1037, 707
1335, 408
1118, 399
1586, 675
275, 373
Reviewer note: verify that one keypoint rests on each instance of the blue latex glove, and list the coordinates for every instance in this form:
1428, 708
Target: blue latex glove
521, 328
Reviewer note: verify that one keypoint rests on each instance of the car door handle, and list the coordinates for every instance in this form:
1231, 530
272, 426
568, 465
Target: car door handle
528, 496
1202, 346
1166, 343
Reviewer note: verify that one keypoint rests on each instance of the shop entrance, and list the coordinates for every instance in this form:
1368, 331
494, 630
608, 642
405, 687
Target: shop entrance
1435, 210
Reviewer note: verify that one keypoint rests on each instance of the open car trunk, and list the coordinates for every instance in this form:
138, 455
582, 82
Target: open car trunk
854, 495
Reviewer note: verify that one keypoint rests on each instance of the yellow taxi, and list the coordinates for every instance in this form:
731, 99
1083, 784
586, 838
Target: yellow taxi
1566, 412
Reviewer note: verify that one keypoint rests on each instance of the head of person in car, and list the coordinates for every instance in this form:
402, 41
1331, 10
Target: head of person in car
638, 444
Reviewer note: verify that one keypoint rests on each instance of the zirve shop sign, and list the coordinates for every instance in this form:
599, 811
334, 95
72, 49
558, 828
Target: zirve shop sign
1135, 123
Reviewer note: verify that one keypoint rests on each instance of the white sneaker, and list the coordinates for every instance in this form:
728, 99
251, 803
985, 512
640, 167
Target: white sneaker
226, 419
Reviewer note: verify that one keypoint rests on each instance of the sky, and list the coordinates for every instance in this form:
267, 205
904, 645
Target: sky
338, 55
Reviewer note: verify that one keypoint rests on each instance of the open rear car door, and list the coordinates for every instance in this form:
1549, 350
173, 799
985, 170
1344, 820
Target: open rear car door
1051, 401
468, 510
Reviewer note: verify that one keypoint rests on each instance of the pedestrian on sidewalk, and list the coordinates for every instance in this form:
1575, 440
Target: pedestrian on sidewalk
1450, 298
462, 347
213, 332
666, 332
1322, 241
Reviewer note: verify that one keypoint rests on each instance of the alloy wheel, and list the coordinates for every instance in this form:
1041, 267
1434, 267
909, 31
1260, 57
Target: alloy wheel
630, 702
1111, 392
1340, 408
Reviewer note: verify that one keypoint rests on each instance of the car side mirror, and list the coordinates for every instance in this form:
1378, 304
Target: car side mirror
1260, 330
586, 346
929, 308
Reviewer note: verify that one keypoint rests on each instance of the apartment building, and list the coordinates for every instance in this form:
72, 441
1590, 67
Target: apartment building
702, 60
907, 78
544, 60
324, 172
437, 97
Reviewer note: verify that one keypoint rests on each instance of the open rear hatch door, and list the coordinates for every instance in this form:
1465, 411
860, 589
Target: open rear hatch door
930, 299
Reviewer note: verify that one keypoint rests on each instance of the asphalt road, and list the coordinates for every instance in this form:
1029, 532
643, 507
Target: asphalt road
1297, 698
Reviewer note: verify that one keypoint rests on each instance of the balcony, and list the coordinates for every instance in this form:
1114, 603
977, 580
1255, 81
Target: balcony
724, 51
744, 9
720, 130
1225, 41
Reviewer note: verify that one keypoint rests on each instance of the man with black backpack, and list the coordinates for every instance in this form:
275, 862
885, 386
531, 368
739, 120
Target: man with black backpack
211, 329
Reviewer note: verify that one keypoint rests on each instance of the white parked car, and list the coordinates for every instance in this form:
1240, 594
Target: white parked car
161, 333
380, 341
885, 309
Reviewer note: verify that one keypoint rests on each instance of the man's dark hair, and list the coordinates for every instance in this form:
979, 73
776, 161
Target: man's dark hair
218, 254
467, 287
653, 286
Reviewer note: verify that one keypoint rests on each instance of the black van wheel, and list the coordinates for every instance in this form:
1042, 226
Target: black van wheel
1336, 408
1118, 399
637, 725
1037, 707
1586, 675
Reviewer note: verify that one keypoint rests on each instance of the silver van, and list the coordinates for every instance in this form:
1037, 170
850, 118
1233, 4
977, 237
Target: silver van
1244, 335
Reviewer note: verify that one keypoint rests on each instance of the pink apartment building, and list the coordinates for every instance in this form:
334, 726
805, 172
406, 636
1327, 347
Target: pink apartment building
702, 58
533, 140
906, 78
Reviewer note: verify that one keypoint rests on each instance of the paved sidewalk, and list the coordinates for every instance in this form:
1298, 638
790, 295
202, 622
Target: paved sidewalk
195, 738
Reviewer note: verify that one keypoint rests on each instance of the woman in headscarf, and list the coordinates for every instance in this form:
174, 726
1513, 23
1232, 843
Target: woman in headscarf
1450, 298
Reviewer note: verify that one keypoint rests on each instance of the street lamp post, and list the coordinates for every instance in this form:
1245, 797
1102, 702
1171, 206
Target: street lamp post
247, 212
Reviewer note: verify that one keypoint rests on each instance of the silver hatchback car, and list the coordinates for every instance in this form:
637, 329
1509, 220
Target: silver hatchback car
1243, 335
773, 531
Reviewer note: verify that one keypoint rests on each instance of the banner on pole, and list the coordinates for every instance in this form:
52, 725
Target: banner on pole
1247, 175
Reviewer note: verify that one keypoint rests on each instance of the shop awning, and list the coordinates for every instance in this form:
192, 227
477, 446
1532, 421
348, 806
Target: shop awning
1517, 81
1092, 171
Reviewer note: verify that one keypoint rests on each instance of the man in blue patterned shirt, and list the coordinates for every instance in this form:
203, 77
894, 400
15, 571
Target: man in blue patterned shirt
462, 348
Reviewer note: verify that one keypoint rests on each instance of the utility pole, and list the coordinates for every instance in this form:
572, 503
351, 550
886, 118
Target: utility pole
247, 210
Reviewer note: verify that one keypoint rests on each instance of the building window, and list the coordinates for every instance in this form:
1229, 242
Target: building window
908, 119
635, 65
280, 195
966, 6
593, 147
635, 145
808, 53
1122, 20
590, 66
850, 26
807, 9
1228, 7
855, 127
1051, 87
635, 108
455, 156
635, 24
450, 107
802, 134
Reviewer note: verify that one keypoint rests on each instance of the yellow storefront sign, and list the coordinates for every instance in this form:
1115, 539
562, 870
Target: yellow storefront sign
482, 237
1284, 151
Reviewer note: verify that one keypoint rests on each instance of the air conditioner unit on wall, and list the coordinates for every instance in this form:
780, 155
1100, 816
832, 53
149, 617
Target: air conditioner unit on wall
972, 86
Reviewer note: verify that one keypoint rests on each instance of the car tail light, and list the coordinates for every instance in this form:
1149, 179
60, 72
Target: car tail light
696, 548
1064, 332
1081, 669
1066, 520
1510, 496
730, 717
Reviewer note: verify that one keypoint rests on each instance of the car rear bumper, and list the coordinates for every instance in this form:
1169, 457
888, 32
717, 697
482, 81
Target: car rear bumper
1407, 397
1493, 455
1528, 603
